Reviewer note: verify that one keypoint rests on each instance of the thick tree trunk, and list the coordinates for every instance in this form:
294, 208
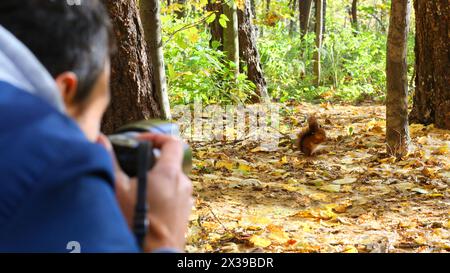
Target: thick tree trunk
151, 20
305, 14
249, 53
230, 36
319, 29
132, 96
432, 94
397, 131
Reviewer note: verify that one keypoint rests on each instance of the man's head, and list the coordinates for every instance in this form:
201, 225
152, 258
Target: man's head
73, 42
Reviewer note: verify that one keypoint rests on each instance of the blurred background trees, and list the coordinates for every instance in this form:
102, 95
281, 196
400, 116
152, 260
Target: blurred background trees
246, 51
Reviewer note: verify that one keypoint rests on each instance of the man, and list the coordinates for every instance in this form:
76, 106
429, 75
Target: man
60, 188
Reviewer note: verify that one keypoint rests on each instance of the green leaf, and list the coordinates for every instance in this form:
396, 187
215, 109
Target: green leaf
211, 18
223, 20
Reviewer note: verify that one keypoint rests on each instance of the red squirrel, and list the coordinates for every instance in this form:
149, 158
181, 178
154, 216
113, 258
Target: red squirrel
311, 137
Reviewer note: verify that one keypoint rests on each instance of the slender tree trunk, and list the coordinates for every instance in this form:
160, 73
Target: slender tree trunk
354, 13
249, 53
292, 21
267, 16
324, 18
319, 28
215, 27
151, 20
253, 10
397, 132
230, 36
304, 14
432, 94
132, 93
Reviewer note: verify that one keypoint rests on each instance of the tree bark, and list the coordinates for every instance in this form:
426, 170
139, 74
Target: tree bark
132, 94
305, 14
319, 29
250, 55
151, 20
324, 18
292, 21
231, 37
354, 12
432, 94
215, 27
397, 130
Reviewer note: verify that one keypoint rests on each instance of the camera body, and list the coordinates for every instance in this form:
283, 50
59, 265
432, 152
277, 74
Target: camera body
126, 145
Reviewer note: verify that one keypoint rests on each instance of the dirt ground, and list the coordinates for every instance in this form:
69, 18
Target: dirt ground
350, 197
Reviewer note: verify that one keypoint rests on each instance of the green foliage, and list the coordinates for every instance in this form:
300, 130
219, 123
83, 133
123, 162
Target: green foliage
196, 71
353, 63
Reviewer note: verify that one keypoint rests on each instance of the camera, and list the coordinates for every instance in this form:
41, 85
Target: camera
127, 146
136, 157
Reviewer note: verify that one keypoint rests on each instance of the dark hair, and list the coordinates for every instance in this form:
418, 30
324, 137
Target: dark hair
65, 35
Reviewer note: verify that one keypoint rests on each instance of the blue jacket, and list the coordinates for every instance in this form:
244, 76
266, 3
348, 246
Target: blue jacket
56, 188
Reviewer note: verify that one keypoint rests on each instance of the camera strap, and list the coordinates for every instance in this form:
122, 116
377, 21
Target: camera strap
140, 214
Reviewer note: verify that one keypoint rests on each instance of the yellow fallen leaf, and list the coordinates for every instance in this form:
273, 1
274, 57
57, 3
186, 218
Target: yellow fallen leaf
244, 167
342, 207
229, 165
259, 149
331, 188
258, 241
429, 172
420, 240
277, 234
441, 150
350, 249
319, 197
346, 180
284, 160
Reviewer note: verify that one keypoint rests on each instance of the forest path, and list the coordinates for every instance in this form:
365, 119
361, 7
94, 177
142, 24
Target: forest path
351, 197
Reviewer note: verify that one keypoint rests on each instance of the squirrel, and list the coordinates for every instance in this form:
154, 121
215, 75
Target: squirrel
311, 137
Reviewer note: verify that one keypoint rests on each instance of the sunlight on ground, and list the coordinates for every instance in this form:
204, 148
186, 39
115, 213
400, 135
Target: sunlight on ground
351, 197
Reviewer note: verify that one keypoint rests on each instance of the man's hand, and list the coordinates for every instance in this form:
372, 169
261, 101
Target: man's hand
169, 194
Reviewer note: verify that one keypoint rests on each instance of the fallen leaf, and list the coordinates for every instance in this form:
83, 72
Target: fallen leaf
346, 180
331, 188
258, 241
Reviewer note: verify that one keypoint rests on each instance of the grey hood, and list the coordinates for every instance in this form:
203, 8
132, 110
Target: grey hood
20, 68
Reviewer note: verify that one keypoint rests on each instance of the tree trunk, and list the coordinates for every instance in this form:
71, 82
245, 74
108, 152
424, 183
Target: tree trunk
319, 28
253, 10
397, 131
132, 94
151, 20
324, 18
432, 94
215, 27
249, 53
354, 12
230, 36
292, 21
305, 14
267, 17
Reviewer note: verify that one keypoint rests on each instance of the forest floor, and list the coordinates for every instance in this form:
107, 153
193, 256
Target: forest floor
351, 197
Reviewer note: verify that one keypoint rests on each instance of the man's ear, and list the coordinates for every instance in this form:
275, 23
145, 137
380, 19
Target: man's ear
67, 83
